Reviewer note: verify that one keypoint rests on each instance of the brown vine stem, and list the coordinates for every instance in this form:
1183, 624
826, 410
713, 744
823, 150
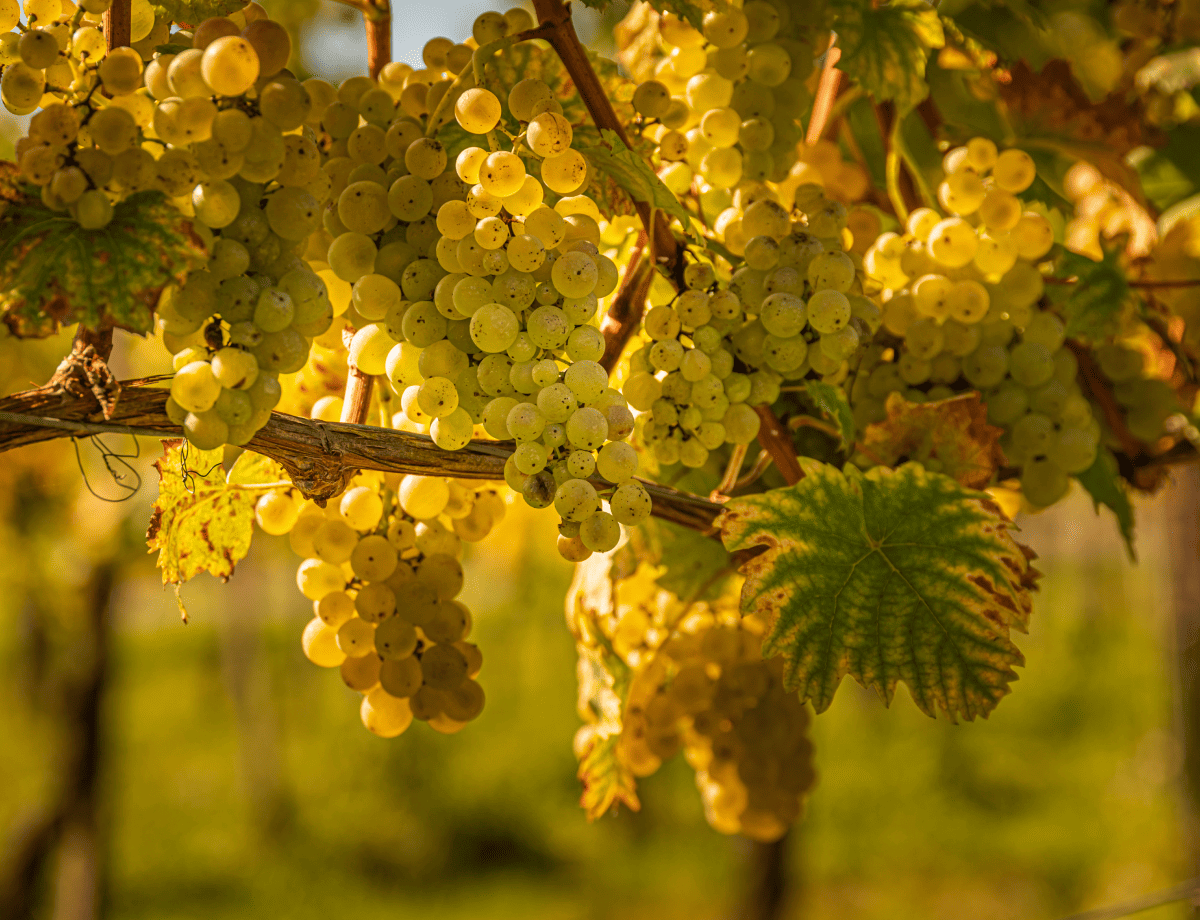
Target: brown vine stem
625, 311
826, 93
377, 18
356, 403
1097, 389
319, 457
566, 43
776, 440
118, 20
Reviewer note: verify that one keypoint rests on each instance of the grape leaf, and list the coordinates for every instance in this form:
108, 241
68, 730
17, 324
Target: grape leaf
684, 9
1104, 484
885, 47
1093, 304
632, 173
892, 575
199, 523
252, 468
950, 435
194, 12
832, 401
53, 272
604, 679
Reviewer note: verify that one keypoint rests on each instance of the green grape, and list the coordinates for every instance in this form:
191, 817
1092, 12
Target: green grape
316, 578
425, 158
548, 135
1074, 450
452, 432
525, 95
494, 328
370, 347
502, 174
630, 503
524, 422
1014, 171
1031, 364
828, 311
1042, 482
986, 366
206, 430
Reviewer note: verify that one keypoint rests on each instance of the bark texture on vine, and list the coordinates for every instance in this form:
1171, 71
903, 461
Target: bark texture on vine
320, 457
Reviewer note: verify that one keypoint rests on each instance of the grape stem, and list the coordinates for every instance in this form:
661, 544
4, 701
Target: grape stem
562, 37
1094, 386
826, 93
84, 368
736, 458
776, 440
357, 401
625, 312
320, 457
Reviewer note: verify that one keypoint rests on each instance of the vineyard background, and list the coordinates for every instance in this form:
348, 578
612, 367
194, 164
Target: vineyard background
235, 779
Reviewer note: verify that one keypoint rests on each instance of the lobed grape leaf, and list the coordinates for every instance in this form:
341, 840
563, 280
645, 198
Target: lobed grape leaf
1103, 483
1093, 304
199, 523
194, 12
951, 436
54, 272
892, 575
831, 400
634, 174
886, 46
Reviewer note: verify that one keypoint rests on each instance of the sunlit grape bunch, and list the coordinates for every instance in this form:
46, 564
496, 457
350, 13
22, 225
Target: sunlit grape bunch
382, 568
709, 692
721, 104
206, 128
479, 302
963, 295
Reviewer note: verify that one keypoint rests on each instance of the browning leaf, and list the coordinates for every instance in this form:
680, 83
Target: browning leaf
954, 432
199, 524
889, 576
53, 272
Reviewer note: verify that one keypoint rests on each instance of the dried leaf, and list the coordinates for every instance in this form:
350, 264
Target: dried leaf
953, 432
53, 272
889, 576
199, 523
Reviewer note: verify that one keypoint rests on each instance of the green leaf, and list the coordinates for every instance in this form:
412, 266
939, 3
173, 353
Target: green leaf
885, 48
194, 12
892, 575
684, 9
832, 401
199, 523
634, 174
171, 49
54, 272
1092, 305
1104, 484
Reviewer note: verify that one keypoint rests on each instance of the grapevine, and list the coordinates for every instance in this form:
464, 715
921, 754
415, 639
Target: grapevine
739, 309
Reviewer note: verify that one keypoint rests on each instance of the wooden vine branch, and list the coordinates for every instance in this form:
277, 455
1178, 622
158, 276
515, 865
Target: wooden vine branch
118, 21
319, 456
377, 18
356, 403
625, 312
566, 43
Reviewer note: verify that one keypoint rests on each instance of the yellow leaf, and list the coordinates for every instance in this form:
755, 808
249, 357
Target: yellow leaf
200, 523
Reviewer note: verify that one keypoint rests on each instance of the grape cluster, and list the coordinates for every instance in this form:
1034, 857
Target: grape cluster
709, 691
224, 131
1148, 401
478, 301
722, 104
962, 295
382, 568
793, 307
